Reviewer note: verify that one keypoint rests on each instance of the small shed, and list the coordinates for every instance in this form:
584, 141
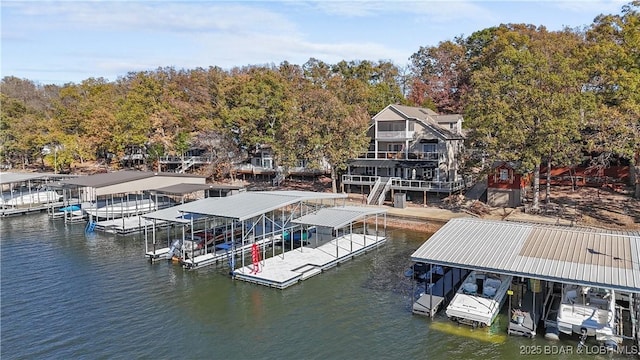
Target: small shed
506, 184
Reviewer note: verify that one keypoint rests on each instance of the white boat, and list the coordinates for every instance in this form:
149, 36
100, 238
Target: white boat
30, 198
479, 299
588, 312
122, 209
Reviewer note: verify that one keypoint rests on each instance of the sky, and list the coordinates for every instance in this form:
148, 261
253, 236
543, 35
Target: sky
57, 42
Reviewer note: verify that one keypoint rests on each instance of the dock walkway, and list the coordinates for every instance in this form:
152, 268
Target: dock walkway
284, 270
531, 315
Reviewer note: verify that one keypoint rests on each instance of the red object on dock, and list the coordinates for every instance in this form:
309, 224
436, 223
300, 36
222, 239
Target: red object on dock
255, 258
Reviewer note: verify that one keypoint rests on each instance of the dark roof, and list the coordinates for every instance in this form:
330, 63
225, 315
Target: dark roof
118, 177
515, 165
428, 118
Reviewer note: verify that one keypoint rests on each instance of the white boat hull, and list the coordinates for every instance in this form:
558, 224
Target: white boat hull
37, 197
122, 209
477, 308
590, 312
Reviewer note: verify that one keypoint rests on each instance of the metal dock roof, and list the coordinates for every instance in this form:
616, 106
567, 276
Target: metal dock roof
588, 257
16, 177
337, 217
182, 188
119, 177
246, 205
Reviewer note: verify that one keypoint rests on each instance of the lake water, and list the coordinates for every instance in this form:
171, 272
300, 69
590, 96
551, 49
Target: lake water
68, 295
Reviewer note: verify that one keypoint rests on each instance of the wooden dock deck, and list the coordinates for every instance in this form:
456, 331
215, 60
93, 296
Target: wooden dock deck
284, 270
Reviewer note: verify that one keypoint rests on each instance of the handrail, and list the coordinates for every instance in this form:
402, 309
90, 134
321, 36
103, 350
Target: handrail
374, 191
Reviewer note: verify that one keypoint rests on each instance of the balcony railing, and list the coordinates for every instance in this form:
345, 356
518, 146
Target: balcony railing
413, 155
412, 185
179, 160
399, 135
359, 179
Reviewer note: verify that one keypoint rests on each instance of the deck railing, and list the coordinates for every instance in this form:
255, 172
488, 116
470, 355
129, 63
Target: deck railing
412, 185
178, 159
401, 155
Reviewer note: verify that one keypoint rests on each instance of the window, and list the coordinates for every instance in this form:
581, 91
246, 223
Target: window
429, 148
370, 170
504, 174
395, 147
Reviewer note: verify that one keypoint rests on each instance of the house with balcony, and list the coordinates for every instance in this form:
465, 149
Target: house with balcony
412, 149
261, 164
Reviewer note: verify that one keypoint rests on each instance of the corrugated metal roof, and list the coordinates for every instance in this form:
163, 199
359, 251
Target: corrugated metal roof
11, 177
337, 217
171, 214
118, 177
590, 257
181, 189
246, 205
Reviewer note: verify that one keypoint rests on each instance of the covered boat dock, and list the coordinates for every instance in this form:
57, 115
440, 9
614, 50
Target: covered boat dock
540, 256
335, 240
114, 201
23, 193
262, 218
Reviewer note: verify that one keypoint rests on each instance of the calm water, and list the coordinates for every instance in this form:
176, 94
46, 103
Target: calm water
68, 295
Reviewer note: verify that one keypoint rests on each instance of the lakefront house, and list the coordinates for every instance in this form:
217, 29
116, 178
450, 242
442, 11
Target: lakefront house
412, 150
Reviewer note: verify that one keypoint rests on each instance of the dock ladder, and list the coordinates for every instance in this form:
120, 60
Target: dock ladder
91, 225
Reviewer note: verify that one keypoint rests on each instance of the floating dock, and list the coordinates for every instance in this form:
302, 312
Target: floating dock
440, 283
284, 270
582, 257
309, 236
525, 318
224, 252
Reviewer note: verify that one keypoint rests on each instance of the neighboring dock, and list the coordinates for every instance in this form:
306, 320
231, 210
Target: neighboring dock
542, 257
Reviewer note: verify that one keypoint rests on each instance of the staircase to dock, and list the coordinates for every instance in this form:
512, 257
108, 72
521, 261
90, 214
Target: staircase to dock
379, 191
186, 165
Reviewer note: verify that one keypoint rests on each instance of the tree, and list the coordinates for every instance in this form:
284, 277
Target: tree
526, 97
223, 153
441, 76
24, 116
255, 105
614, 64
326, 129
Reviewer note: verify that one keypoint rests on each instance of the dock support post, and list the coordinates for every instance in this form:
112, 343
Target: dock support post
431, 312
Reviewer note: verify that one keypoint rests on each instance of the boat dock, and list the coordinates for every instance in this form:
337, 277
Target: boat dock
290, 223
224, 251
550, 264
25, 193
440, 283
525, 310
282, 271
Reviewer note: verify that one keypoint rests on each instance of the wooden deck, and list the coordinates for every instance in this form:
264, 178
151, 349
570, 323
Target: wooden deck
284, 270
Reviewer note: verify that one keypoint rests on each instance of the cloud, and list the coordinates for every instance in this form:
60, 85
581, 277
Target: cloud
151, 16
